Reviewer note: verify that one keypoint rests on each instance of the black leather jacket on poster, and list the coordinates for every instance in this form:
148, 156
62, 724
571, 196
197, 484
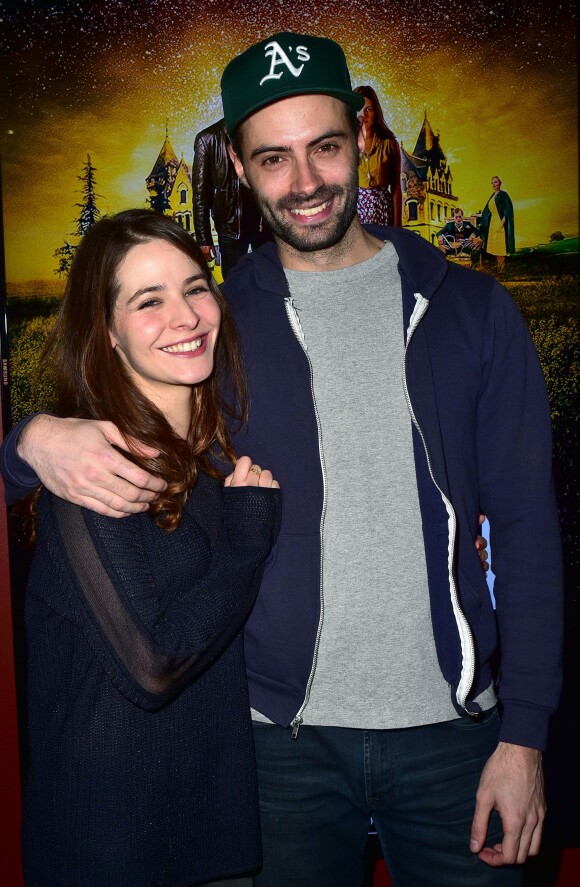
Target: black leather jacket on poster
216, 187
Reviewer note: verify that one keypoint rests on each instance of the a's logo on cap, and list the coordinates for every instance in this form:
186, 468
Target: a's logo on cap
279, 57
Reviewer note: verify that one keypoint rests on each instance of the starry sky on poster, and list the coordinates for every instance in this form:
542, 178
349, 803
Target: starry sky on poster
497, 79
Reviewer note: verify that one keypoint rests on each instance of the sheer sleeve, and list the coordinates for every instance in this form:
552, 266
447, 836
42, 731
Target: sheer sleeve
151, 642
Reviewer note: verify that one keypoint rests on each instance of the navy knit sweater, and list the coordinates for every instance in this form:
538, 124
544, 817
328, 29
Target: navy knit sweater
142, 769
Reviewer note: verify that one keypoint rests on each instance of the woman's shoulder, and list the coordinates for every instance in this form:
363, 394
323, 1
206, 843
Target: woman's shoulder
72, 522
387, 144
66, 532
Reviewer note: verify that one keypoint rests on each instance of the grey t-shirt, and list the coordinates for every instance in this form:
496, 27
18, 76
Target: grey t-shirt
377, 666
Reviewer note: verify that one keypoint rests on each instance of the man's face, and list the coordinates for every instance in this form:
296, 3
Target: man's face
300, 158
458, 213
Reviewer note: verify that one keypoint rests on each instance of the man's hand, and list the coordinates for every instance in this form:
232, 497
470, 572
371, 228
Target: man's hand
512, 783
74, 459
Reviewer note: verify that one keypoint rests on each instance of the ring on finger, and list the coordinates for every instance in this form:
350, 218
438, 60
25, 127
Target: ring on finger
256, 470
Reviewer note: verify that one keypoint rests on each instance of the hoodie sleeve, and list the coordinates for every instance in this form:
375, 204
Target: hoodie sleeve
517, 494
19, 478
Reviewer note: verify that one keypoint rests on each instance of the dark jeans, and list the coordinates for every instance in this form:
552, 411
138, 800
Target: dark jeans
318, 793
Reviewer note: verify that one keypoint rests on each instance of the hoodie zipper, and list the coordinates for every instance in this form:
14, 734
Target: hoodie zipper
465, 635
294, 322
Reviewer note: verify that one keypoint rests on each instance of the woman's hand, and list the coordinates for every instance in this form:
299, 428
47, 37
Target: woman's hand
246, 474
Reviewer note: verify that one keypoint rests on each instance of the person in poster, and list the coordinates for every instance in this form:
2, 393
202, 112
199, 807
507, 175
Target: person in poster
379, 170
460, 237
218, 197
374, 605
497, 224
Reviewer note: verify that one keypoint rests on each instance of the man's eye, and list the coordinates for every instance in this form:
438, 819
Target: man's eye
274, 160
327, 148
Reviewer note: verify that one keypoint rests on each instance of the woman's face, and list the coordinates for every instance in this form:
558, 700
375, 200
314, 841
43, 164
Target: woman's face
368, 112
165, 321
495, 183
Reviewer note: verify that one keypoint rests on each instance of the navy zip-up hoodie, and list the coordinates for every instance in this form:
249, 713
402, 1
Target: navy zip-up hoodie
482, 444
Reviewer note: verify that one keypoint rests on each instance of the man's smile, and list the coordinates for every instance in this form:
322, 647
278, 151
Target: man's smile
312, 210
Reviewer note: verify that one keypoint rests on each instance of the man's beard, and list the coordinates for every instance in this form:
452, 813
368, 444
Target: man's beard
311, 238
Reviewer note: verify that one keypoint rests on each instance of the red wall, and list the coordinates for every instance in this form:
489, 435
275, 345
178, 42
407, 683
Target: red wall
10, 868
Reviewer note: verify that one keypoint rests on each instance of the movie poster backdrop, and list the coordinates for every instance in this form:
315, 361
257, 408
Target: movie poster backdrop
102, 102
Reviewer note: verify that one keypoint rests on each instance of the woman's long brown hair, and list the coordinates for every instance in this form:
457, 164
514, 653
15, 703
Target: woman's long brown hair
92, 382
380, 124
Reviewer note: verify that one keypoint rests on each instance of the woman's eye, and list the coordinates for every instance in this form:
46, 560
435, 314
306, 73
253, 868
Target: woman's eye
197, 291
148, 304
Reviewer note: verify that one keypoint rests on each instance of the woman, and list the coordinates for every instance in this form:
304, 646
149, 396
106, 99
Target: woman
141, 757
497, 224
379, 171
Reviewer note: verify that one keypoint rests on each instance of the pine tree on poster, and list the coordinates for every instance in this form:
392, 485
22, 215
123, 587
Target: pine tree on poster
89, 214
89, 211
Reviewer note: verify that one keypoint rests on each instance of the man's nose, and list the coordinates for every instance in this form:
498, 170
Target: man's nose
306, 177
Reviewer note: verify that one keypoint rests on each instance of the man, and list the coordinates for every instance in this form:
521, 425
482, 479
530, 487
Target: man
371, 650
217, 196
459, 237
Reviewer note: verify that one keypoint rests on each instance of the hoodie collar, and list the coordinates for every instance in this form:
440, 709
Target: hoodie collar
421, 265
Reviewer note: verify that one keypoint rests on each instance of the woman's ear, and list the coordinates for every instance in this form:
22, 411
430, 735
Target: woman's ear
114, 342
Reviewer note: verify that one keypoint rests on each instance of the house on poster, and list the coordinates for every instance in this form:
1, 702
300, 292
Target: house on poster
427, 185
169, 186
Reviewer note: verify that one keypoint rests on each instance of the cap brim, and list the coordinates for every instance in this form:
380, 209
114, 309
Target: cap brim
353, 99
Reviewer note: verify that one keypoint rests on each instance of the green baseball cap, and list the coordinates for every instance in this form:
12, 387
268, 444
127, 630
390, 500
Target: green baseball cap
284, 65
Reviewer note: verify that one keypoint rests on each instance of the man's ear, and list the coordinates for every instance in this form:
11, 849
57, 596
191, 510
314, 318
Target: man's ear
238, 165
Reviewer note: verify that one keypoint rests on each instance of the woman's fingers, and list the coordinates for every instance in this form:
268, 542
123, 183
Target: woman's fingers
249, 474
